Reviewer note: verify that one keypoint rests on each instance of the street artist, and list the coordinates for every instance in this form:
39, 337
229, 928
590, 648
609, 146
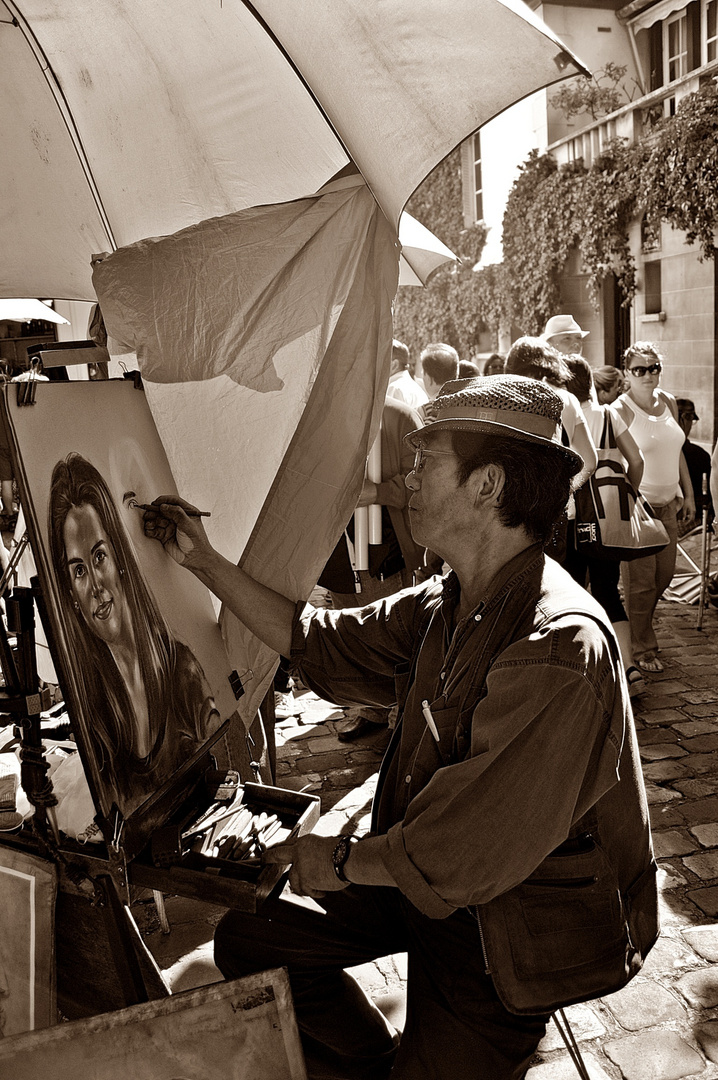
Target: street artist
510, 851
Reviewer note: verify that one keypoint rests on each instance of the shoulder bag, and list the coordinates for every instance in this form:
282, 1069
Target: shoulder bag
613, 520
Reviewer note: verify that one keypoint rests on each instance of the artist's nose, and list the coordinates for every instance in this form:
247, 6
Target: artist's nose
412, 481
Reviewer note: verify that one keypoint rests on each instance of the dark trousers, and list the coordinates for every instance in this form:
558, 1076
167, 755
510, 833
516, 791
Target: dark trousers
456, 1027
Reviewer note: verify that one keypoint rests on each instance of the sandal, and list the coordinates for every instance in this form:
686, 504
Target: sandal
636, 682
650, 663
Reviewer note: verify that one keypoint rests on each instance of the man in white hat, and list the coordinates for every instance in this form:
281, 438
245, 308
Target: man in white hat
564, 333
510, 851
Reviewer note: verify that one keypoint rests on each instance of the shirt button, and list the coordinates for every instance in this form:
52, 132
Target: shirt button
407, 779
477, 618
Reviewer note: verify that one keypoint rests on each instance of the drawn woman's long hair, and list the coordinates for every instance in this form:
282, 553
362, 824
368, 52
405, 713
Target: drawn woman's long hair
75, 482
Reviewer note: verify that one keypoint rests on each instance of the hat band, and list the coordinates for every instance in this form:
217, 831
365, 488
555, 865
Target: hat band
521, 421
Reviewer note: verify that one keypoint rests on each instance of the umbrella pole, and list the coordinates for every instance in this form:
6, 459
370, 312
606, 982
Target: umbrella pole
705, 555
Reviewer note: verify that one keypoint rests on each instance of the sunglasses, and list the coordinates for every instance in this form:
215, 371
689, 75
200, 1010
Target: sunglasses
640, 372
422, 453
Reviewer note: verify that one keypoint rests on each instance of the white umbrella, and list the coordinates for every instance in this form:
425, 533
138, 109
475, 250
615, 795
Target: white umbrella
122, 119
24, 310
422, 253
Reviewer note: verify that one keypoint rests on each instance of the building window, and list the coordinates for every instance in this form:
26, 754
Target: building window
650, 236
709, 30
652, 287
478, 182
675, 46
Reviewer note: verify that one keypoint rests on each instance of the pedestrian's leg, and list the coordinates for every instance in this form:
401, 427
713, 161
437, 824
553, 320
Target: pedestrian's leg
332, 1009
666, 559
639, 579
456, 1026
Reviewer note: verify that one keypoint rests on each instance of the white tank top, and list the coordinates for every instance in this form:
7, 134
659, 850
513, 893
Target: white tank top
659, 439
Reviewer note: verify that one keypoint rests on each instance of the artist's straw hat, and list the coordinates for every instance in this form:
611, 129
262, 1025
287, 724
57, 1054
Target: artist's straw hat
508, 405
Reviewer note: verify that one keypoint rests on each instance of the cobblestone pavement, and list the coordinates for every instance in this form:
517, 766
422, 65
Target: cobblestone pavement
664, 1025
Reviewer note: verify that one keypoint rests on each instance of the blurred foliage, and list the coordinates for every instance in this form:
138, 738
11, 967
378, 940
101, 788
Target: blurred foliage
596, 95
447, 309
670, 176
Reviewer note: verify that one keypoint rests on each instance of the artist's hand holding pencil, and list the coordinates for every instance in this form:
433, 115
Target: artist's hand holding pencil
176, 523
312, 872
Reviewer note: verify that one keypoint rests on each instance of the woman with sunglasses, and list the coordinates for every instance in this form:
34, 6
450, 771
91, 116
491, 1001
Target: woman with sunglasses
651, 415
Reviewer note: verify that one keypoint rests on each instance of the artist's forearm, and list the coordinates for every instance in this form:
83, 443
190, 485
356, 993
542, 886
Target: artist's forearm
365, 865
268, 614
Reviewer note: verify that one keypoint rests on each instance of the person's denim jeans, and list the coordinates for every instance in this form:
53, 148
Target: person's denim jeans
645, 581
456, 1027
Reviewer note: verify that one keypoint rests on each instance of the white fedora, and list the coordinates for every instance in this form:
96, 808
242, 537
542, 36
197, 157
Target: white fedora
562, 324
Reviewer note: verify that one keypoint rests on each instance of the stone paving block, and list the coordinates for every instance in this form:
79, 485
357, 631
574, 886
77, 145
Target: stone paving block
320, 763
585, 1024
296, 783
707, 835
697, 697
662, 716
701, 744
673, 842
667, 957
670, 877
700, 987
701, 712
704, 866
701, 811
662, 750
562, 1068
695, 727
707, 1036
675, 910
692, 659
706, 900
704, 939
664, 770
654, 1055
665, 817
647, 736
702, 764
665, 686
696, 789
644, 1003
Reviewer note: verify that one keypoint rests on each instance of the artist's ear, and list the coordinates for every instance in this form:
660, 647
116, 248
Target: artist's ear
489, 483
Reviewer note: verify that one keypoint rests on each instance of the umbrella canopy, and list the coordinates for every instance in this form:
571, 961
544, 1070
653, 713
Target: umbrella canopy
23, 310
122, 119
422, 253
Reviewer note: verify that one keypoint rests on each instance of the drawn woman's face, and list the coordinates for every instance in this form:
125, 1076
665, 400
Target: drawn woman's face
95, 577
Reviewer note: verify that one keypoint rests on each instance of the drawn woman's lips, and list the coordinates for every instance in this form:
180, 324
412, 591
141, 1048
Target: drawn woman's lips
103, 611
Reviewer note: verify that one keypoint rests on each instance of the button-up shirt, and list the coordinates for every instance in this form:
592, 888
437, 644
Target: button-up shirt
527, 696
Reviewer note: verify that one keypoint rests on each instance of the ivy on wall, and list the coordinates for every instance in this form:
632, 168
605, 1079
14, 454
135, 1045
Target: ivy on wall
671, 175
448, 308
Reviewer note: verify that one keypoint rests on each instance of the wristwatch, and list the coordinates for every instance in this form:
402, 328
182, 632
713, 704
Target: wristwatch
340, 856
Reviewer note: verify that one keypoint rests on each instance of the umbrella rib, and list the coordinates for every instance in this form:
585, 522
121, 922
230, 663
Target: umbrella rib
66, 113
270, 33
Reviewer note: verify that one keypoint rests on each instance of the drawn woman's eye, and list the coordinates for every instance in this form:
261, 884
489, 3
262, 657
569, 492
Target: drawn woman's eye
79, 571
100, 556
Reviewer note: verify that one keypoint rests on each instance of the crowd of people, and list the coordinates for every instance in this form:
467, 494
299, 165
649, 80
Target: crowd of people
651, 428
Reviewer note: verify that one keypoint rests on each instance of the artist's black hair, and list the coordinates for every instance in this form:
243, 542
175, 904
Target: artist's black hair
537, 479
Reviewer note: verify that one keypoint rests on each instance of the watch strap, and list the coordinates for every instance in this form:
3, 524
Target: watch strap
340, 856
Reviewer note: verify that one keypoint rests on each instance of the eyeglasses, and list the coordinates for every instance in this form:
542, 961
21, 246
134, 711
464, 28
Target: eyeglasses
640, 372
422, 453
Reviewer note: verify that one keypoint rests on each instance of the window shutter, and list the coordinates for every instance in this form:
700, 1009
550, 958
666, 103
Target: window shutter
467, 182
693, 13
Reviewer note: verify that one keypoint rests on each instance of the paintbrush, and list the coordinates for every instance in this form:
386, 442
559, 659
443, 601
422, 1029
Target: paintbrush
134, 505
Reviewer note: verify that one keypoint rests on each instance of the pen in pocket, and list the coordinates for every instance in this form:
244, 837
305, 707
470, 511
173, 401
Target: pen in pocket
430, 722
